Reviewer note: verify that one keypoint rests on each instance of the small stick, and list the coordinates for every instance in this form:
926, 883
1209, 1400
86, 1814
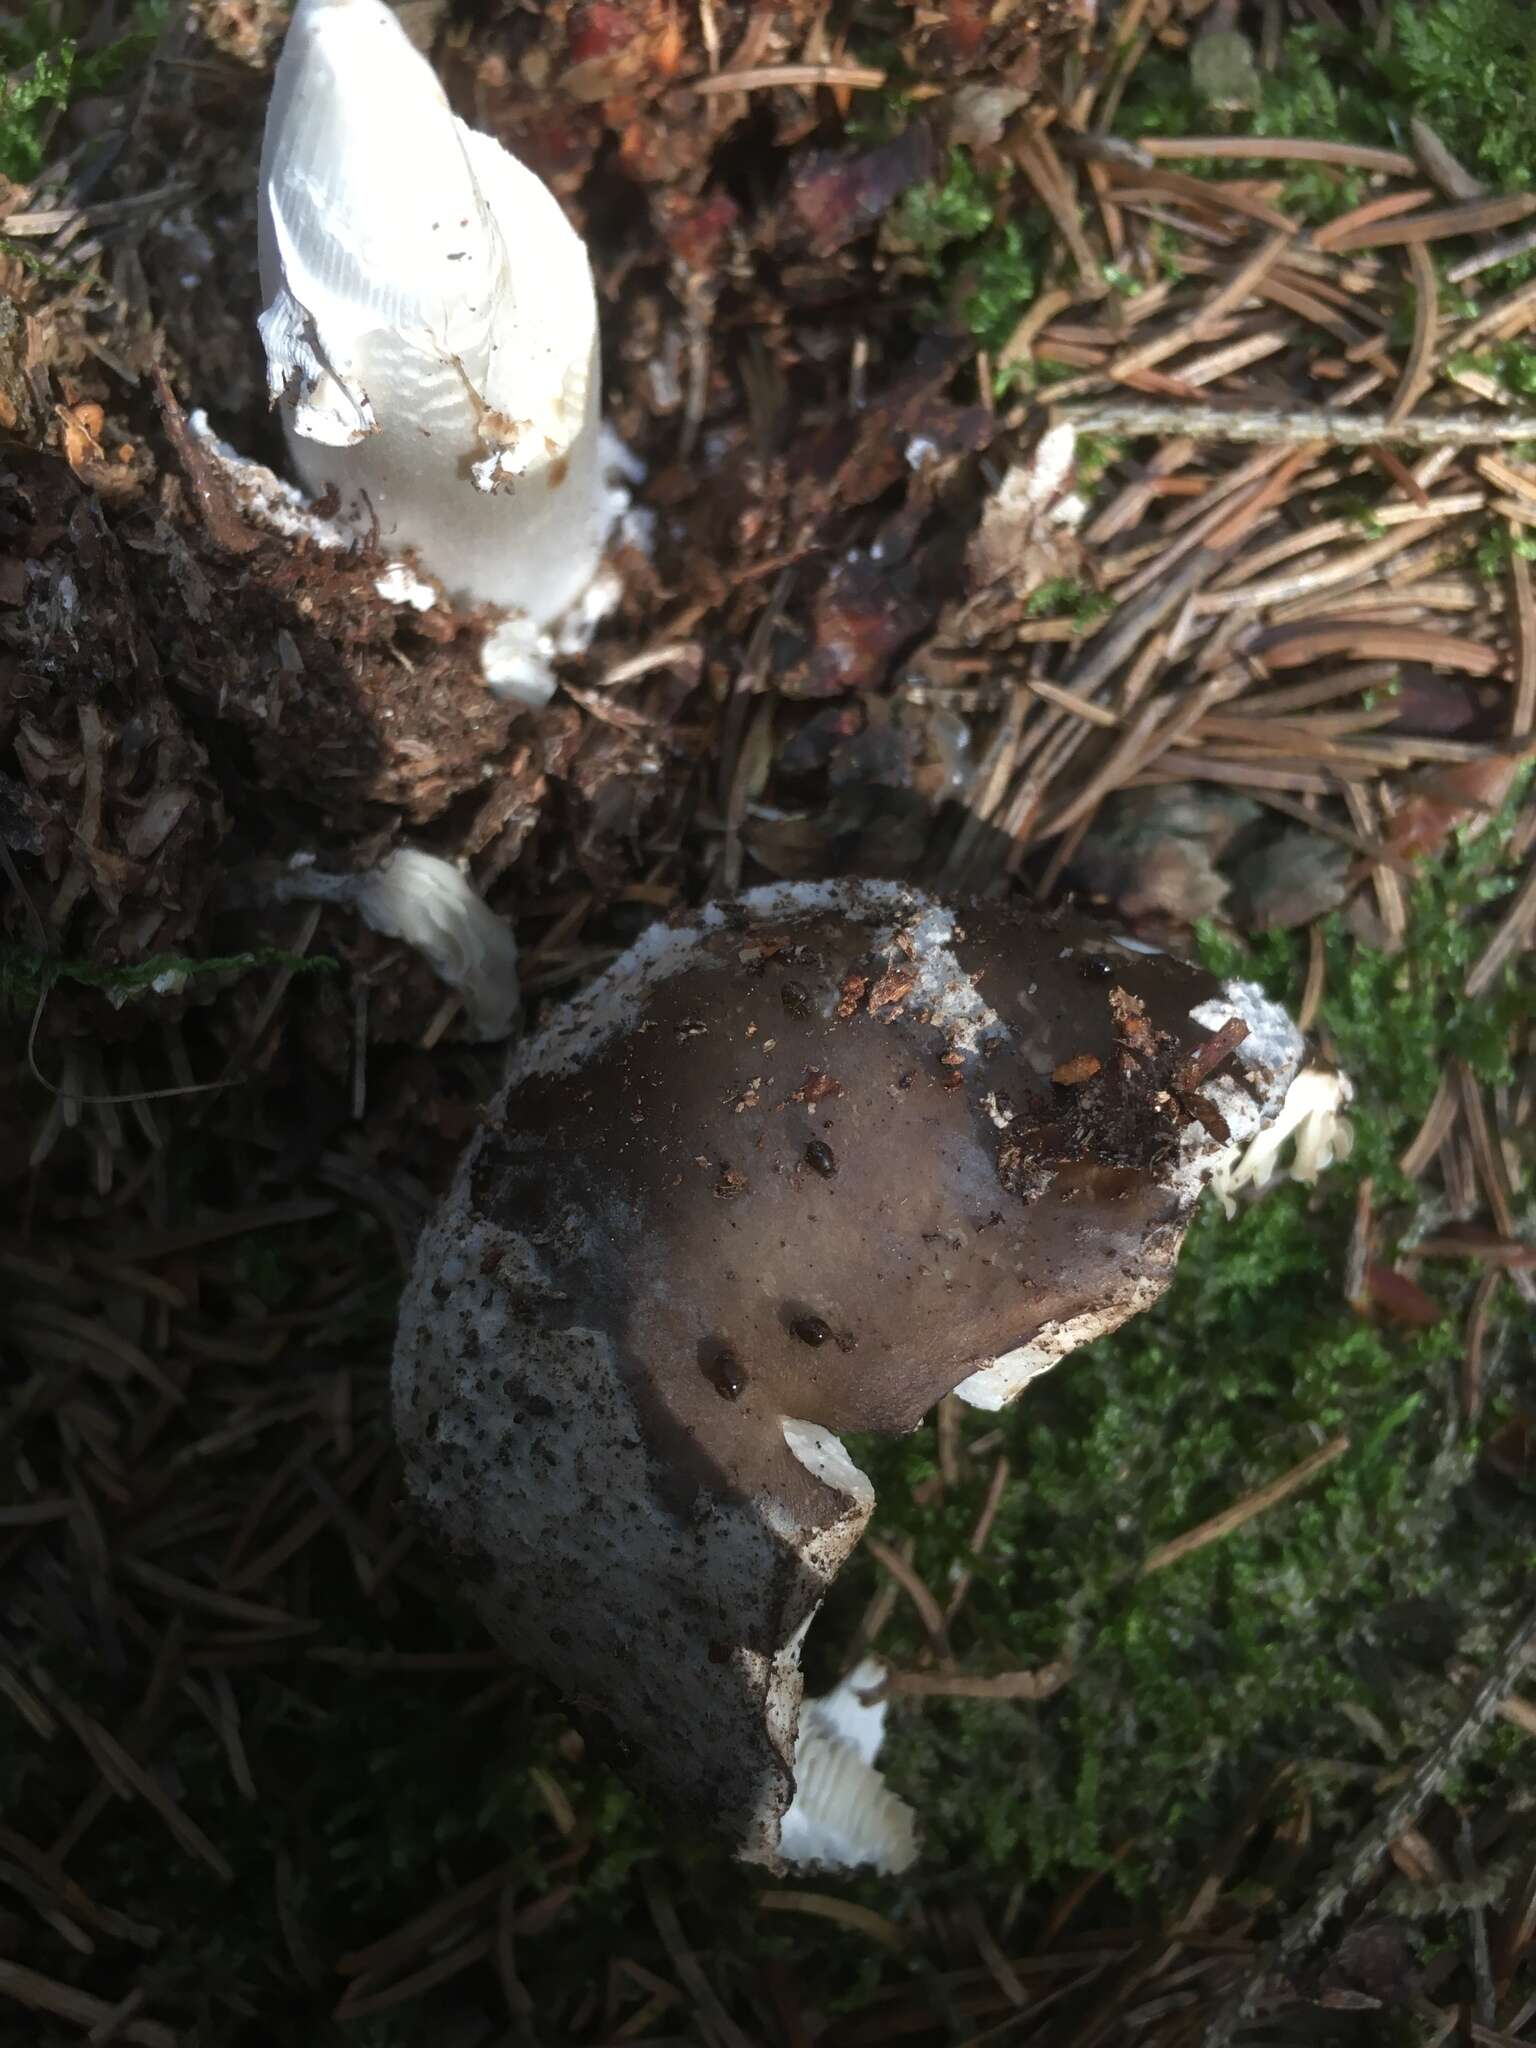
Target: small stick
1522, 715
1038, 1684
1341, 429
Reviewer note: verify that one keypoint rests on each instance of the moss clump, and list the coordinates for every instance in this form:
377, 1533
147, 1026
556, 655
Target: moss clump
47, 70
986, 261
1466, 66
1064, 596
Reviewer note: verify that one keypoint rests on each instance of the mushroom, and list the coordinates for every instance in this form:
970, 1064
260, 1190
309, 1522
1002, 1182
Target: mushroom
430, 329
795, 1165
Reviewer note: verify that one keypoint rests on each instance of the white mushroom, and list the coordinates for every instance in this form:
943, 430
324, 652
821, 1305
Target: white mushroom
431, 334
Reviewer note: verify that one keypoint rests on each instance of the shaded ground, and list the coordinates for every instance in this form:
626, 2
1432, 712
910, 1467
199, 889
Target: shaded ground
259, 1778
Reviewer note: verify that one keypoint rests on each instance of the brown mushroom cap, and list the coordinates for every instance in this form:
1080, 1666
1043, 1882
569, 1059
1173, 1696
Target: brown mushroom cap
799, 1165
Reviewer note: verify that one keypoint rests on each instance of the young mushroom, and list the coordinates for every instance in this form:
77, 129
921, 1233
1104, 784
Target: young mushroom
794, 1166
431, 335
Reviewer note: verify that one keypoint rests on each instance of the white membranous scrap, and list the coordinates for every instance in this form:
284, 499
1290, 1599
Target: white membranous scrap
793, 1166
423, 900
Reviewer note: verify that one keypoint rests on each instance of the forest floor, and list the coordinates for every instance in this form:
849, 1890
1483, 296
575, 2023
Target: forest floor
1271, 701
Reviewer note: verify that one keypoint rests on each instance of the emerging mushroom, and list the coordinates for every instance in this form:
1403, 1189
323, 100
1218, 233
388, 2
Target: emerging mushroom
794, 1165
430, 329
430, 323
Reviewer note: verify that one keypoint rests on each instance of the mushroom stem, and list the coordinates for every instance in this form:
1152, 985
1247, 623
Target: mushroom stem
430, 323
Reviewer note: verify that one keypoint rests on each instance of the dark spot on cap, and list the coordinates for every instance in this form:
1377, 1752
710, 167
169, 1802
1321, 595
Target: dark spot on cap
1094, 967
796, 998
723, 1371
810, 1330
821, 1159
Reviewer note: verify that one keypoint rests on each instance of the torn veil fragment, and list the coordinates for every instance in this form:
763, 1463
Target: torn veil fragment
793, 1166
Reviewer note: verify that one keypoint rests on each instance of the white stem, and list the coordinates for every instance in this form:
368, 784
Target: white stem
430, 323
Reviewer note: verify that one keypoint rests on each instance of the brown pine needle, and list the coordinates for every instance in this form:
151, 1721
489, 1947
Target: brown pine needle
1244, 1511
930, 1613
1283, 149
1473, 219
845, 1912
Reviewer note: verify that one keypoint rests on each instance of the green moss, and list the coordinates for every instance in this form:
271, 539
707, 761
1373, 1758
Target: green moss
985, 259
47, 70
1323, 87
957, 208
1064, 594
1492, 552
1466, 66
1095, 453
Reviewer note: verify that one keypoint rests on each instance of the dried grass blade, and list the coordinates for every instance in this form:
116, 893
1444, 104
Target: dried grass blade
123, 1769
687, 1965
45, 1994
356, 2004
1292, 647
929, 1612
1385, 207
